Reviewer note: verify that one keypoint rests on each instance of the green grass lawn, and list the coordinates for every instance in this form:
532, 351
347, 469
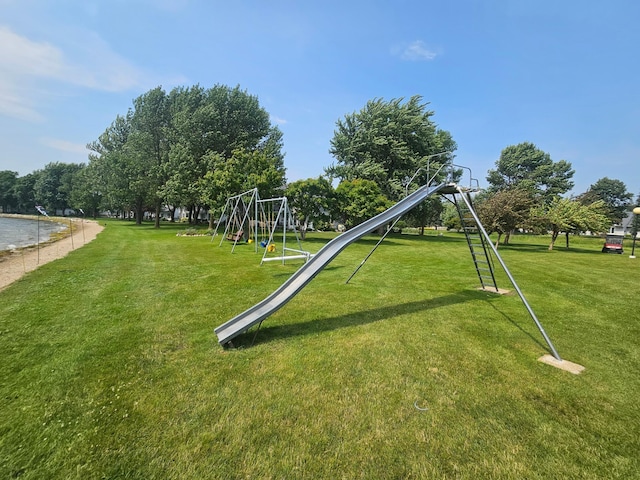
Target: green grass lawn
110, 367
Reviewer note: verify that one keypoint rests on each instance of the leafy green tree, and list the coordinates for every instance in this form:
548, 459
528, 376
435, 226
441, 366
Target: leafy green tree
527, 167
311, 200
570, 216
613, 193
243, 171
54, 185
168, 147
149, 148
85, 194
450, 217
8, 180
358, 200
189, 142
112, 168
386, 142
504, 211
24, 191
427, 213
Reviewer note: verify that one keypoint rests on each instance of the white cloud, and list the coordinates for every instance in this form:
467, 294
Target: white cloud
28, 68
97, 66
417, 51
64, 145
278, 120
15, 102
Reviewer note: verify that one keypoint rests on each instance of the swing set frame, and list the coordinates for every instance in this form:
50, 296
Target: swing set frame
245, 212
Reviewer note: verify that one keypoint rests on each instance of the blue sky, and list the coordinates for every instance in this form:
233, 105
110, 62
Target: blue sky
561, 74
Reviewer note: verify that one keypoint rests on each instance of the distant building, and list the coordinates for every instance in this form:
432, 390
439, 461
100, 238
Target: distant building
625, 227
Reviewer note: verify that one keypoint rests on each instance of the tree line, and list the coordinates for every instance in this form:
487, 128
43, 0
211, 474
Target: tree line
193, 147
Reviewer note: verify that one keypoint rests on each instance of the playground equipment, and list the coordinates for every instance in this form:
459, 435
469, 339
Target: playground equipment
239, 214
474, 232
273, 220
246, 215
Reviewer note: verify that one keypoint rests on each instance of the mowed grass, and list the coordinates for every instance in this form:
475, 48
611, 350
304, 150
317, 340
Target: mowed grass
110, 367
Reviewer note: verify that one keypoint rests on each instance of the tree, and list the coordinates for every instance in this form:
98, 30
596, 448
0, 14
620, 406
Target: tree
504, 211
85, 194
166, 148
358, 200
450, 217
54, 185
386, 142
24, 191
8, 180
427, 213
114, 186
566, 215
243, 171
527, 167
149, 148
310, 200
613, 193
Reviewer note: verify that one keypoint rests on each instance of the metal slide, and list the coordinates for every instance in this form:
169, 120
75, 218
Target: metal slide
256, 314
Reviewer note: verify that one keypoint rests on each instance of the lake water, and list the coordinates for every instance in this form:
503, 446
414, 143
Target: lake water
22, 232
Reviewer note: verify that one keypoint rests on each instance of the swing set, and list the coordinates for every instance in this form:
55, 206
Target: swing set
246, 213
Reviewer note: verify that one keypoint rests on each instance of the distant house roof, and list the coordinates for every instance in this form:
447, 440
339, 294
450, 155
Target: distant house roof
624, 226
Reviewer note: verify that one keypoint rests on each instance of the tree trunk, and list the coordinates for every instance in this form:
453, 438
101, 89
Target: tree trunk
303, 228
498, 240
507, 237
554, 236
158, 207
139, 212
421, 229
567, 237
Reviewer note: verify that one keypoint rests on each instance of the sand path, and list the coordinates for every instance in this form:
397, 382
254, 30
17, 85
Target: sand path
15, 265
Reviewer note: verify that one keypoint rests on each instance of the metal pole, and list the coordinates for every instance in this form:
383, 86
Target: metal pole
284, 229
513, 282
634, 231
255, 222
71, 230
373, 249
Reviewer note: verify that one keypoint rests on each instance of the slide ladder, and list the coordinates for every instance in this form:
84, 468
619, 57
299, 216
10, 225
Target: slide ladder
480, 252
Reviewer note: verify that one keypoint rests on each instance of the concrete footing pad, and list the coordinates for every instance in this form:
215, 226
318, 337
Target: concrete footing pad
501, 291
562, 364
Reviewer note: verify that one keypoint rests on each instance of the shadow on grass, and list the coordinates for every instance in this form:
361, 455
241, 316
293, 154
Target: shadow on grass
362, 241
319, 325
295, 267
512, 322
544, 248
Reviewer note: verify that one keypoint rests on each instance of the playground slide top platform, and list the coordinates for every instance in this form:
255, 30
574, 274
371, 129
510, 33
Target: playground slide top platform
256, 314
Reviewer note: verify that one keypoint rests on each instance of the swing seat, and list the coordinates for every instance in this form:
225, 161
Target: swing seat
236, 237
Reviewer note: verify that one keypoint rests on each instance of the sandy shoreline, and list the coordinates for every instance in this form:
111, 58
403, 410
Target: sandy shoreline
16, 264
